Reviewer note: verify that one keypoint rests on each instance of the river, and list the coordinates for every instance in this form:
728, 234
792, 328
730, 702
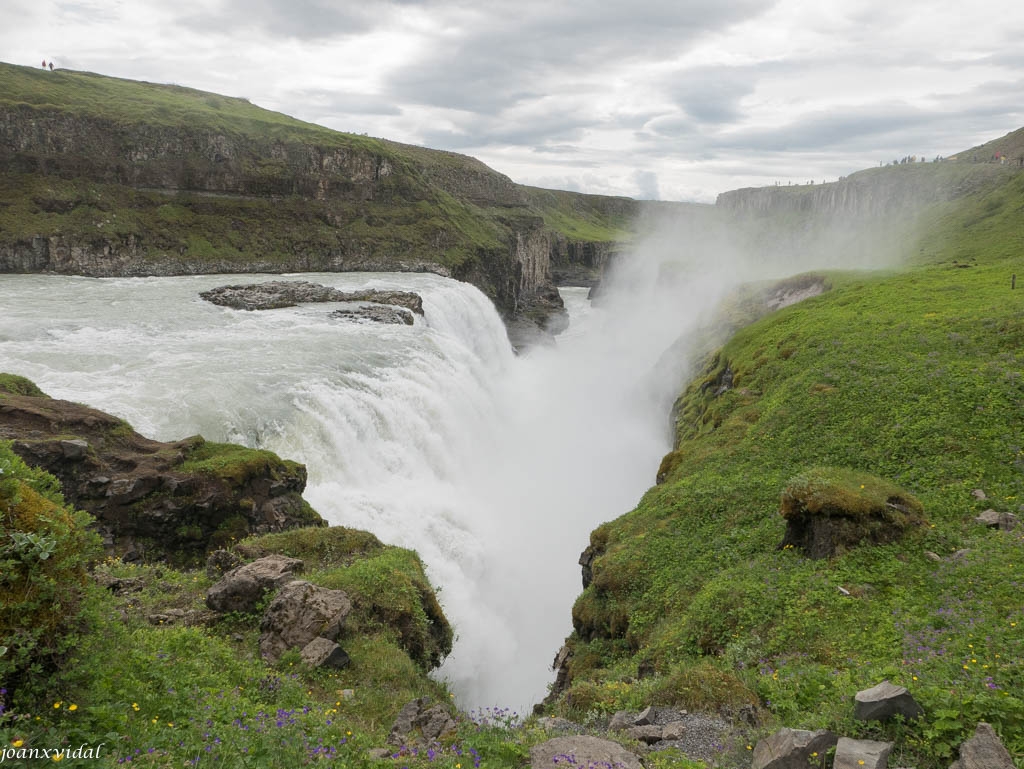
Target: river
435, 436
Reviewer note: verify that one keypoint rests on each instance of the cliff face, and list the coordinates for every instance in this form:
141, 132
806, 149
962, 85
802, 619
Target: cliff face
127, 178
874, 193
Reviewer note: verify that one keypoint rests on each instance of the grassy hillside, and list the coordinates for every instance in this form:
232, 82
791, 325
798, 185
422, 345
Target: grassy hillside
913, 377
101, 175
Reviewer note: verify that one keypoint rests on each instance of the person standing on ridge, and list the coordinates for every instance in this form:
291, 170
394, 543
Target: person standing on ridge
44, 63
51, 65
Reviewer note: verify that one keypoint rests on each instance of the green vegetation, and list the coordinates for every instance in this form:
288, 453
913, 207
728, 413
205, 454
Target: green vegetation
45, 551
221, 185
913, 377
19, 385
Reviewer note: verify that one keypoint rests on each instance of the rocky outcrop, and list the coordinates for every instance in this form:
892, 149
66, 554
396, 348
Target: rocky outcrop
241, 589
199, 193
288, 293
299, 613
152, 499
877, 193
830, 510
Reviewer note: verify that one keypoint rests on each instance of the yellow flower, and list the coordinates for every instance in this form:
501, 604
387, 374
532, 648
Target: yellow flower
58, 756
135, 707
56, 705
915, 678
860, 762
73, 707
18, 743
170, 724
154, 720
814, 754
348, 734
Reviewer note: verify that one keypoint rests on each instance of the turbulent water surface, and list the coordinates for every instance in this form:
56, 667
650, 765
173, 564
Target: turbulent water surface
434, 436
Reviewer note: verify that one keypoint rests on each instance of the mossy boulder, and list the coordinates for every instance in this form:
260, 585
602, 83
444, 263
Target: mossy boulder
829, 510
388, 586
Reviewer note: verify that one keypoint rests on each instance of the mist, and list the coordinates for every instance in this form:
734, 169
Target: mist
581, 427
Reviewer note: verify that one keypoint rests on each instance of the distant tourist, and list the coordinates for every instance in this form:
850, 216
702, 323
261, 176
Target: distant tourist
44, 63
51, 66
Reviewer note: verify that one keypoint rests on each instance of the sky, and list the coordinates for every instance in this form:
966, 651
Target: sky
653, 99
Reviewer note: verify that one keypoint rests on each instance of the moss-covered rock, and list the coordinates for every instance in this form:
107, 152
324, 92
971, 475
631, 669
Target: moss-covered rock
153, 500
832, 509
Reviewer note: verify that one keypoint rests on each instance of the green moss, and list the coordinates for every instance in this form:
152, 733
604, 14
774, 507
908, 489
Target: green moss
19, 385
235, 463
828, 491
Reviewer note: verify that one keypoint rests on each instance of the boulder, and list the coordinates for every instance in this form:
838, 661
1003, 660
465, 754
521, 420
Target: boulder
882, 702
793, 749
321, 653
983, 751
996, 520
154, 500
861, 754
74, 450
299, 613
674, 730
242, 588
647, 716
621, 720
979, 494
418, 722
582, 751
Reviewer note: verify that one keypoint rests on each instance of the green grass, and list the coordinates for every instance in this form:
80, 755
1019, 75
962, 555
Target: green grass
912, 378
278, 211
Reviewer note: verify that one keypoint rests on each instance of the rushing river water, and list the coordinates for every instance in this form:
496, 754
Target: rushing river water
433, 436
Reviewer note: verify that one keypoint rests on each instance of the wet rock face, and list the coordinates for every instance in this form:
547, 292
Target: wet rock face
154, 500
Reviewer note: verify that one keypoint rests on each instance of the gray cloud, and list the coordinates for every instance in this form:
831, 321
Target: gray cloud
647, 184
530, 49
344, 103
301, 19
713, 94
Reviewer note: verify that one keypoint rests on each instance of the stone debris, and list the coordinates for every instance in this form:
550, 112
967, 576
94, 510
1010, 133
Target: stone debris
861, 754
417, 722
321, 653
996, 520
300, 612
882, 702
983, 751
242, 588
582, 751
793, 749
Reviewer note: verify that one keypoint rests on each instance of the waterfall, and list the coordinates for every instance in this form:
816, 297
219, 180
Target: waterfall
434, 437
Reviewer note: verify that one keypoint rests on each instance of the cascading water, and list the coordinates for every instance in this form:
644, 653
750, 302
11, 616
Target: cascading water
435, 437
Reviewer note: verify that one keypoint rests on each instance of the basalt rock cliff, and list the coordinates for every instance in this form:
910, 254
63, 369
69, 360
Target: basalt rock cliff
152, 500
108, 177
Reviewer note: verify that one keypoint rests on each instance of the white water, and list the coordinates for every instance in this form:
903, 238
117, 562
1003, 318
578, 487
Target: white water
435, 437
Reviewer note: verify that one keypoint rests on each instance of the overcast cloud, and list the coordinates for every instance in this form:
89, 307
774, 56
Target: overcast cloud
677, 99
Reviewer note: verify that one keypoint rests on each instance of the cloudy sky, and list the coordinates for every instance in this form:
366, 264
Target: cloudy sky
677, 100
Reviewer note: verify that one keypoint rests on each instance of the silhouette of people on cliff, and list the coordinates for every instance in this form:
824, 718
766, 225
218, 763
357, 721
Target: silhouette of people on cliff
44, 63
51, 66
